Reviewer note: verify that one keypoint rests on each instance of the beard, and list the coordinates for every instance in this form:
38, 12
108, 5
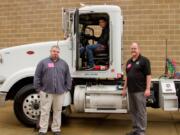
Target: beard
54, 57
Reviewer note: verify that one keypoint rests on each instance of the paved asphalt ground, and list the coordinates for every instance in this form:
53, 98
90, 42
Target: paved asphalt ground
159, 123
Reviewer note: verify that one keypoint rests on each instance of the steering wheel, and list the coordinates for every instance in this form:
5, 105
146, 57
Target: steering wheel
83, 39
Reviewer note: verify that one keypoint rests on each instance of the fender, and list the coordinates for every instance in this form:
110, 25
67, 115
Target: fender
17, 76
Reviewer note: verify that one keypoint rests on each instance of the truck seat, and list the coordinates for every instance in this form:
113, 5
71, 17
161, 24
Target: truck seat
101, 55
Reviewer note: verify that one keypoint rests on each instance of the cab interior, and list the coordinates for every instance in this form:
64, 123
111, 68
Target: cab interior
89, 26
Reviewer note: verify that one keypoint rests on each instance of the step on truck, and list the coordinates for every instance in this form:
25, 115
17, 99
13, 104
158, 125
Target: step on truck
94, 91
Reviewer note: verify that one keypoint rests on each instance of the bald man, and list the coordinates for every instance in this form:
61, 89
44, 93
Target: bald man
138, 82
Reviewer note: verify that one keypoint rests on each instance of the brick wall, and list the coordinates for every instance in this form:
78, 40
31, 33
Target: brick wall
150, 22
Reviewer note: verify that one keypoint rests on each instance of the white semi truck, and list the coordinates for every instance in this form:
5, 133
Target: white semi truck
93, 91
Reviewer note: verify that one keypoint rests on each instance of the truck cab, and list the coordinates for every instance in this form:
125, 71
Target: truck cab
93, 87
78, 23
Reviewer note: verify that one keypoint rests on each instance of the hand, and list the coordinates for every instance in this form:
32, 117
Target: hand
147, 93
38, 91
124, 92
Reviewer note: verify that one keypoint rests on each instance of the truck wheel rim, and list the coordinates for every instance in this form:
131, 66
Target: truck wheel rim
31, 106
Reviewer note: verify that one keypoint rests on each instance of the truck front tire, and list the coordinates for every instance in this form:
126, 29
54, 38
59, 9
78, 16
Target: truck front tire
27, 105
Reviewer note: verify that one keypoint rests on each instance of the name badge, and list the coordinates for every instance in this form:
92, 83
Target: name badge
50, 65
129, 66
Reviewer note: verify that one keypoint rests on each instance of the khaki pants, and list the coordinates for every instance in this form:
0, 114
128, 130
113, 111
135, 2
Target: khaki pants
46, 101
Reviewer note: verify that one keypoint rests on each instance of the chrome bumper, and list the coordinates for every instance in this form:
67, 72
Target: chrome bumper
2, 98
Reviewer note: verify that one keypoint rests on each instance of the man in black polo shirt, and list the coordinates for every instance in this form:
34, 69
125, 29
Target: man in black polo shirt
138, 82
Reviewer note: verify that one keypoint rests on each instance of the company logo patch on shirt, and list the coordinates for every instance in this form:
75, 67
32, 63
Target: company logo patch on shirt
137, 63
50, 65
129, 66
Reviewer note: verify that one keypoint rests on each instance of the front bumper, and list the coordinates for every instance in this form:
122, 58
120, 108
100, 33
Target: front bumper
2, 98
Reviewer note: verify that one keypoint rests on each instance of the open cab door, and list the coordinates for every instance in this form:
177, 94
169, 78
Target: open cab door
67, 22
77, 38
70, 30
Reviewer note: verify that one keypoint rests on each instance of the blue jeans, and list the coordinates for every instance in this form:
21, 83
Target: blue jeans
89, 52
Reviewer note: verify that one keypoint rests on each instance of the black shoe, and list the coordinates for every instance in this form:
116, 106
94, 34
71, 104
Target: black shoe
56, 133
90, 68
41, 133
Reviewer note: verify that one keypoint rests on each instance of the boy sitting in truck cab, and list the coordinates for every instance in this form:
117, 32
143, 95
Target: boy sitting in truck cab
102, 42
